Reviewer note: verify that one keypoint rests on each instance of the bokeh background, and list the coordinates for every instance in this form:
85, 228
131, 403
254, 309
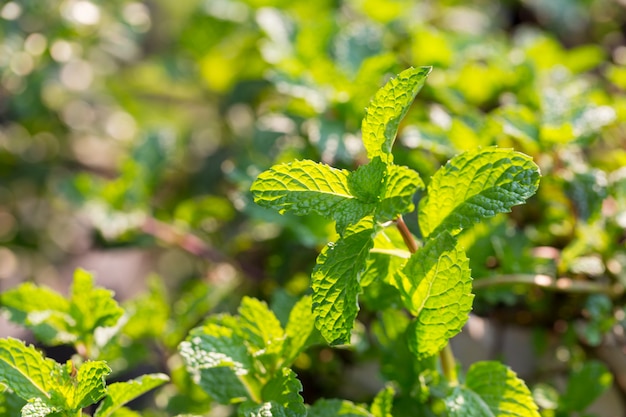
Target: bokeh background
130, 132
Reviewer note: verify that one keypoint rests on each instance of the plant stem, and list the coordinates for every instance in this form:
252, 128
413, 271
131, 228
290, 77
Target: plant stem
406, 235
448, 365
563, 284
446, 357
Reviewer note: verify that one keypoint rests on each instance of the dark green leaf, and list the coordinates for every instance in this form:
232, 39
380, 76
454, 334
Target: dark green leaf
335, 282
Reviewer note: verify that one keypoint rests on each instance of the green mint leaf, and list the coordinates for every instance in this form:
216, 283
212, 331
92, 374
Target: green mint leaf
585, 385
92, 307
383, 402
435, 286
337, 408
302, 187
284, 389
41, 310
218, 360
386, 110
120, 393
298, 330
260, 326
335, 282
401, 183
366, 183
476, 185
26, 371
88, 387
38, 408
491, 389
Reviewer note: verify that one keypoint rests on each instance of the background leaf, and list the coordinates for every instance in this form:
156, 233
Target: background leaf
476, 185
44, 311
92, 307
585, 385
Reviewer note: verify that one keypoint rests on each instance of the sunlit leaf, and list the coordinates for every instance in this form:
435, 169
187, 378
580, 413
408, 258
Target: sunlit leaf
386, 110
474, 186
491, 390
435, 286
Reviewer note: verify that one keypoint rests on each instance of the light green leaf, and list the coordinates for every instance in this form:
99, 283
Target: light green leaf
89, 386
476, 185
383, 402
335, 282
386, 110
585, 385
435, 286
25, 370
302, 187
401, 183
218, 361
92, 307
337, 408
299, 327
120, 393
491, 390
260, 326
42, 310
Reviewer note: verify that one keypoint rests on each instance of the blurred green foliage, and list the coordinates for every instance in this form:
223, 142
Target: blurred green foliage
142, 124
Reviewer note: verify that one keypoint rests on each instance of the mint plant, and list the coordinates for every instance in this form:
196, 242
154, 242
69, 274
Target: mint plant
243, 359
